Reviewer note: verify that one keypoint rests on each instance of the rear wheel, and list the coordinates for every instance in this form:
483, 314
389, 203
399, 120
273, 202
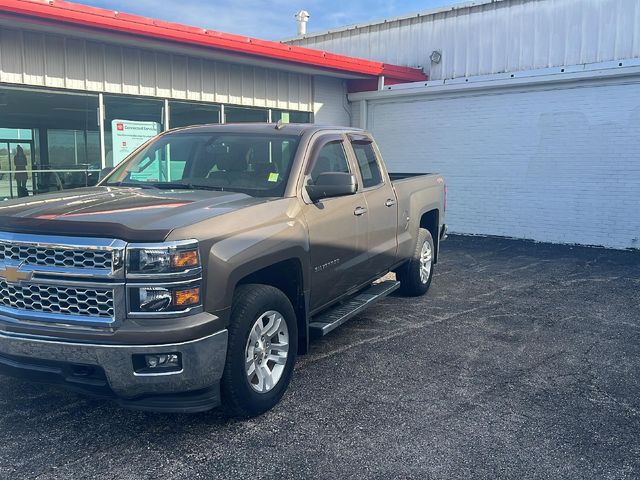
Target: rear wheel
415, 276
261, 352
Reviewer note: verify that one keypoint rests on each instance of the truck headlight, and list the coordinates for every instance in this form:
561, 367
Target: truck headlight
163, 258
164, 299
163, 279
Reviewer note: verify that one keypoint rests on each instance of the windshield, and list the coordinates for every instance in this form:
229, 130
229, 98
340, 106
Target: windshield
255, 164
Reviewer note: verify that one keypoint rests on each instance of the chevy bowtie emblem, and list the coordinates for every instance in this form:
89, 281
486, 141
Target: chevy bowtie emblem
14, 274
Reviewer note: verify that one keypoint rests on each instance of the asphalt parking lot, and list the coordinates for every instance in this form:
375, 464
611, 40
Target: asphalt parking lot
522, 361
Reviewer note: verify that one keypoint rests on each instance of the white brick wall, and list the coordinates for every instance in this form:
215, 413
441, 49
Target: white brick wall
330, 102
555, 164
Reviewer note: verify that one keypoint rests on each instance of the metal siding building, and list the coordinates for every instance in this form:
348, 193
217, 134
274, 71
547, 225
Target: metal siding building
66, 62
494, 36
532, 115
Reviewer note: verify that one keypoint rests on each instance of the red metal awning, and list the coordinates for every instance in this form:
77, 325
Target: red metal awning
108, 20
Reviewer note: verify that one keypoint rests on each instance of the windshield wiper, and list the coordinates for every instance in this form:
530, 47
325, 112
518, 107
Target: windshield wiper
130, 184
188, 186
169, 186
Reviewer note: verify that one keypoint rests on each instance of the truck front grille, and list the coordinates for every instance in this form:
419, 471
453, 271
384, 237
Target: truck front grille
58, 300
56, 256
60, 280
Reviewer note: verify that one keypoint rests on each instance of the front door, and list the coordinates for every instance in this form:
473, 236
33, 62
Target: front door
337, 230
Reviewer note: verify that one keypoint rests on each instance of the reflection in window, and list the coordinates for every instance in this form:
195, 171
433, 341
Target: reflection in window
331, 158
258, 165
290, 116
368, 163
184, 114
16, 134
241, 115
73, 148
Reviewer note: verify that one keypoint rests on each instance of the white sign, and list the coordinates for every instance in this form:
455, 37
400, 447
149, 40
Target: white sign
127, 135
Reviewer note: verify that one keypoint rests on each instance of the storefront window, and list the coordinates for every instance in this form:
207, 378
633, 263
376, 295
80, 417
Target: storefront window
241, 115
74, 157
184, 114
58, 138
290, 116
130, 122
16, 133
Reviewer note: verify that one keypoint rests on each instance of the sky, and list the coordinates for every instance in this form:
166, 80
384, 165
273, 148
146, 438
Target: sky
268, 19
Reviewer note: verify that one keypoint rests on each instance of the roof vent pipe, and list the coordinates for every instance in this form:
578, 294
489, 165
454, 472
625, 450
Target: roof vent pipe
302, 17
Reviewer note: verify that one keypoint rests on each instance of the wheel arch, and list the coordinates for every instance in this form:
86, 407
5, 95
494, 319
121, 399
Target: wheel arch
287, 275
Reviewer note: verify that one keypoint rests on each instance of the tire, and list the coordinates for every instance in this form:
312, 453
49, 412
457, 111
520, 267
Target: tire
254, 307
412, 282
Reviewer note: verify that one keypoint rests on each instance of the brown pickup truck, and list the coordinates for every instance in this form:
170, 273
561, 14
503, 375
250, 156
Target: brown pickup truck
201, 266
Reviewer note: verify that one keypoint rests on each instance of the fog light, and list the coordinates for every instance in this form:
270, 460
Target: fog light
157, 363
162, 360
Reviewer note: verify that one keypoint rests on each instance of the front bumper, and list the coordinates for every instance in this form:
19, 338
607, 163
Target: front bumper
107, 370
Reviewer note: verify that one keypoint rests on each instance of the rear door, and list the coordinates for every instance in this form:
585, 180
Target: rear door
381, 205
337, 232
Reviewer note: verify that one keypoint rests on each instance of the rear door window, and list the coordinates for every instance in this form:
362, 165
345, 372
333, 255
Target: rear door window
368, 164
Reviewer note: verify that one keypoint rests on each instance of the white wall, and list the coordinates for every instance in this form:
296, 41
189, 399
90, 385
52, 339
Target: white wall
331, 106
554, 163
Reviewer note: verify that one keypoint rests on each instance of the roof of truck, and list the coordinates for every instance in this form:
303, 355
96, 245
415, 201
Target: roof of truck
261, 128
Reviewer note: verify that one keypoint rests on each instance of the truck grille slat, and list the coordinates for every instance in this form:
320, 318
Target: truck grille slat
56, 257
58, 299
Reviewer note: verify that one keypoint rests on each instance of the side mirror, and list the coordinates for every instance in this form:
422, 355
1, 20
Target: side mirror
104, 172
332, 184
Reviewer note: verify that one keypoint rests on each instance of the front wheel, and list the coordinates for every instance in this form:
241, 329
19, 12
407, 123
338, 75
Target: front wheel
415, 276
261, 354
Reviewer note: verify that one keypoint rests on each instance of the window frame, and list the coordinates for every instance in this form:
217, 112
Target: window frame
314, 153
362, 138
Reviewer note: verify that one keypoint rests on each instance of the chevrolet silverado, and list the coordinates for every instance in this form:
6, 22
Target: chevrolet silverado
198, 269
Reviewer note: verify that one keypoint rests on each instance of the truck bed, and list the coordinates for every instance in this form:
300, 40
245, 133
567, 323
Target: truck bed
421, 197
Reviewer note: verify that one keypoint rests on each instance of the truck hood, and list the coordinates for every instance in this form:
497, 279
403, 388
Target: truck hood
131, 214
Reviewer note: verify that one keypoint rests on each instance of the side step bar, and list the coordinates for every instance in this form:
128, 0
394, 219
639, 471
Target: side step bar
333, 318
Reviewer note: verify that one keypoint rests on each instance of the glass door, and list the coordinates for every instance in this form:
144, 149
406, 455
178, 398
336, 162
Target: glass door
6, 176
16, 161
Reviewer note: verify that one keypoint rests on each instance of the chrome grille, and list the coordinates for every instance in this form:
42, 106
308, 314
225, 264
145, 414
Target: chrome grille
60, 300
56, 257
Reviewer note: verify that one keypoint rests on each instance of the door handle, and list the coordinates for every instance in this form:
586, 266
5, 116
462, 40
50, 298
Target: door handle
390, 202
359, 211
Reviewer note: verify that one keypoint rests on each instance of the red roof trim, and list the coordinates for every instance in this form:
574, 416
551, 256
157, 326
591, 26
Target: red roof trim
62, 11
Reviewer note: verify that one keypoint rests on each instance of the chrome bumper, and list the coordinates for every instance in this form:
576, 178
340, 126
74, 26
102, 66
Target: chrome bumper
203, 362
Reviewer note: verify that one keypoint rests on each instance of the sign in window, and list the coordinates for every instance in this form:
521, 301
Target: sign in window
127, 135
